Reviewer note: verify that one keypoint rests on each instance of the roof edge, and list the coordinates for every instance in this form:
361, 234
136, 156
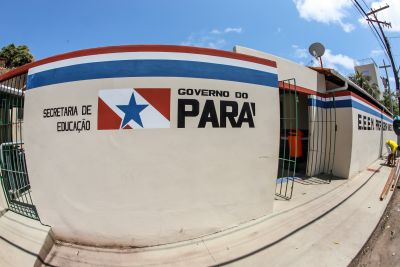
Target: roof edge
138, 48
354, 85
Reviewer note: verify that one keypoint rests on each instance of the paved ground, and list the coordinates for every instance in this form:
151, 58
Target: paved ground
383, 247
323, 225
23, 241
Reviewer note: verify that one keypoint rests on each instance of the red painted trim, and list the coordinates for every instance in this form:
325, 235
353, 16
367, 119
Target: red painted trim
348, 93
371, 104
340, 93
352, 94
300, 89
139, 48
307, 91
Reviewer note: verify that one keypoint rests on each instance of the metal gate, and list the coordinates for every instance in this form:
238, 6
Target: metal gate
289, 122
322, 137
14, 176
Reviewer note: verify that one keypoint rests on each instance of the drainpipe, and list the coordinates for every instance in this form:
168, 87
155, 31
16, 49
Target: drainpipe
344, 87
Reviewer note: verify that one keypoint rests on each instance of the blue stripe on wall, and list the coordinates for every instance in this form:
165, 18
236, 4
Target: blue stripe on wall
347, 103
151, 68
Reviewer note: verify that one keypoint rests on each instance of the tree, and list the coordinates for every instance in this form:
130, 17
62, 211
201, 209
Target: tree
375, 92
16, 56
364, 82
388, 100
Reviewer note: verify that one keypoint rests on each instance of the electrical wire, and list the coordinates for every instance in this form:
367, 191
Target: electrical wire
372, 27
364, 15
365, 4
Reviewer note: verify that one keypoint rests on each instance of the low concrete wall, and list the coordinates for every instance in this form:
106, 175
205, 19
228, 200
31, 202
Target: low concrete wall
371, 129
358, 140
193, 164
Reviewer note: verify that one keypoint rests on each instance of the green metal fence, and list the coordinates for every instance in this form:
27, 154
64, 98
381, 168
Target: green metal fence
289, 122
322, 139
14, 176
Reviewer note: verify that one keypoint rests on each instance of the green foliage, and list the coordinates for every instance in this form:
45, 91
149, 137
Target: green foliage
388, 100
16, 56
396, 108
364, 82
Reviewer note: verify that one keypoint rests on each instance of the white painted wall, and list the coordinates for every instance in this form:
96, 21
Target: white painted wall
344, 142
305, 77
155, 186
150, 186
355, 149
366, 143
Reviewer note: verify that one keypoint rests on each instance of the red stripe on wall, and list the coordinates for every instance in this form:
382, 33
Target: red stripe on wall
307, 91
139, 48
299, 89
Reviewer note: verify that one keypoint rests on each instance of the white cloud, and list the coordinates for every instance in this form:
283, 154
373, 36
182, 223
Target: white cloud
376, 53
347, 27
235, 30
391, 14
337, 61
217, 43
205, 39
325, 11
300, 52
212, 39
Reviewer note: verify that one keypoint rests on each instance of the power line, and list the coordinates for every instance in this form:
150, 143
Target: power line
370, 25
365, 4
384, 41
387, 83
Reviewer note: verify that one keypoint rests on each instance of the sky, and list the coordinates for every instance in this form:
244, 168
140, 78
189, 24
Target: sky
284, 28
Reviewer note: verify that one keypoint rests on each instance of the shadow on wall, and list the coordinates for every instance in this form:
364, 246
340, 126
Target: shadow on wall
3, 202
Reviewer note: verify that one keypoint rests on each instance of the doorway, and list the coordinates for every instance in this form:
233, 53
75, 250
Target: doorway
293, 141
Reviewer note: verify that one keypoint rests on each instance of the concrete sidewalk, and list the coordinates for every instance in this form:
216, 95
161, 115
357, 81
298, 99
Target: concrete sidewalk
323, 225
23, 241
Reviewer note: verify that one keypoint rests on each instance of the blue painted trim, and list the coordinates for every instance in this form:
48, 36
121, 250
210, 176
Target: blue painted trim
151, 68
348, 103
286, 179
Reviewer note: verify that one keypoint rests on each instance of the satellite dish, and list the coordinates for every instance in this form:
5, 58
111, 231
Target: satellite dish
316, 50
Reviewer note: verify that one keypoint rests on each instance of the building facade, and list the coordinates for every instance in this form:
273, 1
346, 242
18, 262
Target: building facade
147, 145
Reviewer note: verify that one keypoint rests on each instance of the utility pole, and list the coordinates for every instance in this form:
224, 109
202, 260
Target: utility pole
386, 43
387, 84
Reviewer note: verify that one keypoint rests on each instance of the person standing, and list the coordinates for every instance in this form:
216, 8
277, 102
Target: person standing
391, 147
